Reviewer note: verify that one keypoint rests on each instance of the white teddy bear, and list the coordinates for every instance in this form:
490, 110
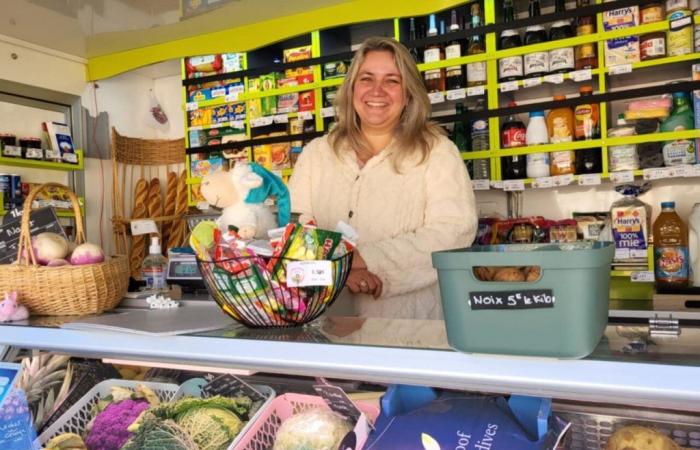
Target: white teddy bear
228, 191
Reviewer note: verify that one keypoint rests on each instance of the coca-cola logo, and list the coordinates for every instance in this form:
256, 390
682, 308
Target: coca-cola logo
514, 137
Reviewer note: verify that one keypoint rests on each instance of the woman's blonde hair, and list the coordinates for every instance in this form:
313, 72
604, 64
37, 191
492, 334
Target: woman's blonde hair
415, 133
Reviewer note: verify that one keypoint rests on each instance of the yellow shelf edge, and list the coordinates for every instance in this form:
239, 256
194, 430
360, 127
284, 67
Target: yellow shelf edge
653, 137
65, 167
476, 155
547, 148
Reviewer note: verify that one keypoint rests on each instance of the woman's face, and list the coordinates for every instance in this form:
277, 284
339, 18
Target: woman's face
378, 96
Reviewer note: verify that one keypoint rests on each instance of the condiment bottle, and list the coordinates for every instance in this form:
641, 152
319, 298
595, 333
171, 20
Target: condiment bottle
510, 68
585, 53
536, 134
587, 117
560, 125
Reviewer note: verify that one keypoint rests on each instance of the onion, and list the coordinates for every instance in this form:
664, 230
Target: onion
49, 246
87, 253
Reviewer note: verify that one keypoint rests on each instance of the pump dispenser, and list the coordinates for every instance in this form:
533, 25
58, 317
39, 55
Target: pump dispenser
154, 266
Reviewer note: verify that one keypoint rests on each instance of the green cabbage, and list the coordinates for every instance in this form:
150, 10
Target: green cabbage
211, 428
157, 434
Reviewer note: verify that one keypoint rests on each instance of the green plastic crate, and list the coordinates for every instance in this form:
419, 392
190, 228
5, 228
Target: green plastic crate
577, 274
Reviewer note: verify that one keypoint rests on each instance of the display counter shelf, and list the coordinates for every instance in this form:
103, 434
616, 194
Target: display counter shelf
628, 367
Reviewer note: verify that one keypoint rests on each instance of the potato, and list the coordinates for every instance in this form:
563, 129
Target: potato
640, 438
509, 274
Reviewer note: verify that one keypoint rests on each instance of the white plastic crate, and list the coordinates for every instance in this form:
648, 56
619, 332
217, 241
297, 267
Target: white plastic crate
193, 388
75, 420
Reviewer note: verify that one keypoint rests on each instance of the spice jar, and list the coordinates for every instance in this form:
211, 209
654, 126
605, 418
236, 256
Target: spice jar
651, 13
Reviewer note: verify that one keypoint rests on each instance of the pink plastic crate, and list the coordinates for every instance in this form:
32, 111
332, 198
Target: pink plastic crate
261, 435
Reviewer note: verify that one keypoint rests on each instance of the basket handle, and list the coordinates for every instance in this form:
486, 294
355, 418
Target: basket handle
25, 239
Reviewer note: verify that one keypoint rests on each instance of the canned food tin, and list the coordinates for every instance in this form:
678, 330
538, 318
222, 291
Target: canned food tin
680, 33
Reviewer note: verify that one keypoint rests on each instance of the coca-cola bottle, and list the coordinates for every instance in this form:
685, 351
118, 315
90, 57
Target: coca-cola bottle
513, 135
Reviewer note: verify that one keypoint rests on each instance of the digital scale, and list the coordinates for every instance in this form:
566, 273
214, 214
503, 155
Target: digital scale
183, 270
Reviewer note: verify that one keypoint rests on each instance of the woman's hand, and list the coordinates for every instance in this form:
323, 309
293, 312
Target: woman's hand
358, 262
362, 281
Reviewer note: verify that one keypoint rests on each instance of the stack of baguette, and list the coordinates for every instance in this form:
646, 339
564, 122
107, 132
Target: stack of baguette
148, 204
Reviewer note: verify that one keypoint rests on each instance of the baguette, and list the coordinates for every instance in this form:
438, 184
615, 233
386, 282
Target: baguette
169, 209
179, 228
138, 243
155, 200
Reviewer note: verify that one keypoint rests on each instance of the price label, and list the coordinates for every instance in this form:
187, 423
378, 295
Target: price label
328, 111
591, 179
202, 206
309, 273
514, 185
626, 176
50, 154
509, 86
563, 180
143, 226
261, 122
694, 171
481, 185
458, 94
620, 69
280, 118
305, 115
338, 401
475, 90
191, 106
645, 276
231, 97
238, 124
543, 182
652, 174
532, 82
436, 97
581, 75
70, 158
680, 23
525, 299
234, 93
557, 78
497, 184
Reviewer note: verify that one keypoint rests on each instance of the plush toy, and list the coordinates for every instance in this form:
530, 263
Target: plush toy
10, 310
240, 194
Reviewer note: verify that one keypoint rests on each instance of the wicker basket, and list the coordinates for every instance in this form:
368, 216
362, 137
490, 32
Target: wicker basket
65, 290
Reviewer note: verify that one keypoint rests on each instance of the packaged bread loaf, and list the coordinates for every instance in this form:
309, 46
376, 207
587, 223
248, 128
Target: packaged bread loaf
138, 243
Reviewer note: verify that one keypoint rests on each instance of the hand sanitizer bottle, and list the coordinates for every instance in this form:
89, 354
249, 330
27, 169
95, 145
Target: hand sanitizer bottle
154, 268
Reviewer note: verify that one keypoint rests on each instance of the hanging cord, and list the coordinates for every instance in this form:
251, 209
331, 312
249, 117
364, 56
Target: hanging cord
99, 154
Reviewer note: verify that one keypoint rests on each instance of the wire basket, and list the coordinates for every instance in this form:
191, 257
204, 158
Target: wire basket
260, 298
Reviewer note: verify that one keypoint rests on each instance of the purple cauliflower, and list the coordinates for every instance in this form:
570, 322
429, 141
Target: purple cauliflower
109, 430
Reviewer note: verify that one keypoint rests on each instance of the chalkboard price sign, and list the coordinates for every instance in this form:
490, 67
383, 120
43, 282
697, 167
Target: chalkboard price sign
525, 299
41, 220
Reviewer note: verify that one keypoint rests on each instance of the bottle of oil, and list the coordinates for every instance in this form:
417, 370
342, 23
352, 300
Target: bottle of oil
434, 79
671, 260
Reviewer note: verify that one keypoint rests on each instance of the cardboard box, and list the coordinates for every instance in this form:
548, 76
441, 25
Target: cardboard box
622, 50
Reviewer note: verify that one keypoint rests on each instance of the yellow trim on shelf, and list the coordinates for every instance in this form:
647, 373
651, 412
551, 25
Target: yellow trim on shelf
547, 148
663, 61
654, 137
66, 167
256, 35
476, 155
567, 76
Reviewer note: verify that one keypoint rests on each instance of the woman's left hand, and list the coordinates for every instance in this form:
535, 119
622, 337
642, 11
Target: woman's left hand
362, 281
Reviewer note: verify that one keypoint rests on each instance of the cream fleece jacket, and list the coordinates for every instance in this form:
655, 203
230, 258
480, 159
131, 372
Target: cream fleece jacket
401, 218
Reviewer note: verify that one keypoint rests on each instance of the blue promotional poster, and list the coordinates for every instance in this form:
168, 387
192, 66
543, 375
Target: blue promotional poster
16, 429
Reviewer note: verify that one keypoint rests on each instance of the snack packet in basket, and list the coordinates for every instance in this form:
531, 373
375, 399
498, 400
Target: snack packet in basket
307, 243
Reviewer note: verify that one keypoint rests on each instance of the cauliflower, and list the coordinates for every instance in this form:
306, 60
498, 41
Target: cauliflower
109, 430
317, 429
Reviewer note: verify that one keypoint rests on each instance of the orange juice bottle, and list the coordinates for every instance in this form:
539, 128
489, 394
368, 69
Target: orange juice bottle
670, 248
560, 124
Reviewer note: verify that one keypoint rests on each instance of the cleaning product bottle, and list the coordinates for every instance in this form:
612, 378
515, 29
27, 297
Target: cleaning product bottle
670, 248
694, 243
154, 269
681, 151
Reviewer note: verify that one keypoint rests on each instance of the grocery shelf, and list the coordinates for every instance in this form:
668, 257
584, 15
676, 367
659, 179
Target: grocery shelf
399, 351
476, 155
30, 163
653, 137
232, 124
63, 213
481, 57
546, 148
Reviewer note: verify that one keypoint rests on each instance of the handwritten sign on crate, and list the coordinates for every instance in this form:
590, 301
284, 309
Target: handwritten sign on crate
522, 299
228, 385
41, 220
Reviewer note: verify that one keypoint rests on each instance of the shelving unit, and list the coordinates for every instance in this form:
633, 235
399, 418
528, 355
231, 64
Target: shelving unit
47, 165
493, 90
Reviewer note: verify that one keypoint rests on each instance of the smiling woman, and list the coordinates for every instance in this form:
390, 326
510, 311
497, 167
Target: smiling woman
388, 171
